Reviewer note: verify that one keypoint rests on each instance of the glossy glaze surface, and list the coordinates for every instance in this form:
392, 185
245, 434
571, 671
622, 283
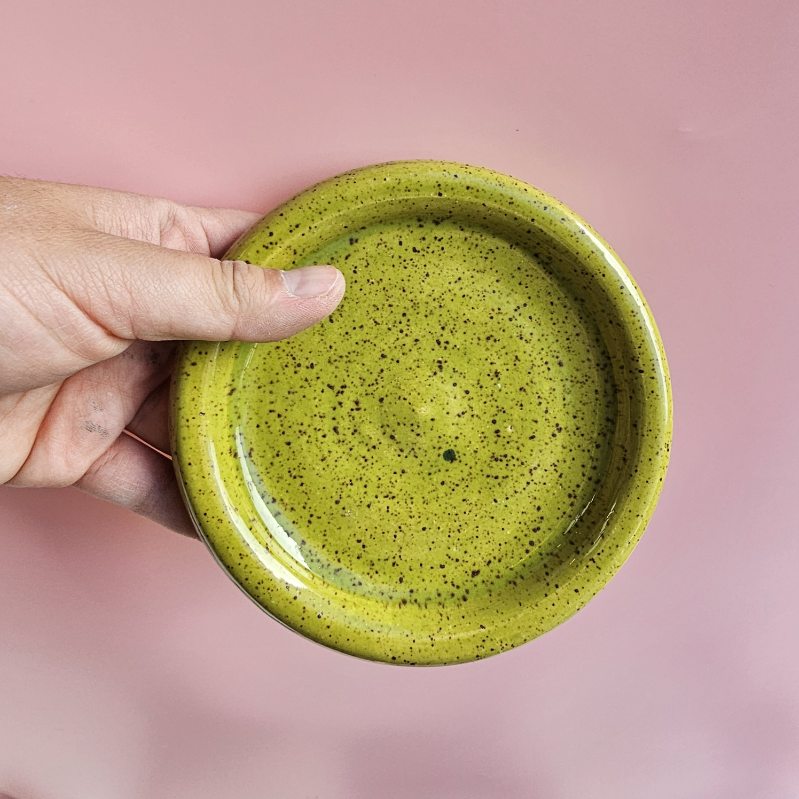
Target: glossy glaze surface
464, 453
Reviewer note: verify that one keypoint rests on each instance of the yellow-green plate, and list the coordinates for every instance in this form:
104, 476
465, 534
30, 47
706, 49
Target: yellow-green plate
464, 453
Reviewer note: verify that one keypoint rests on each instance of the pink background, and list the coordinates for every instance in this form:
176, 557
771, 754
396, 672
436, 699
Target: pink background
131, 667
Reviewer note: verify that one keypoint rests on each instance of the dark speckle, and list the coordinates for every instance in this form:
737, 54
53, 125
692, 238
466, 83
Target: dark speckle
93, 427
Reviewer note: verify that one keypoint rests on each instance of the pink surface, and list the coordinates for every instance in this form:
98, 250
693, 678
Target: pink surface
131, 667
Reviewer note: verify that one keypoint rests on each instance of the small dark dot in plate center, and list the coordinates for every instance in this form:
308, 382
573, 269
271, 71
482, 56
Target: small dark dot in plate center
449, 455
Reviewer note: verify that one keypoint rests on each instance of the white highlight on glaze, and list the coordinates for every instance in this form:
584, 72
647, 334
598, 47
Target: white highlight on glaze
635, 294
269, 562
277, 530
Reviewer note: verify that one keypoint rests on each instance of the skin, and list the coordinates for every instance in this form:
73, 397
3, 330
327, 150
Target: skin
96, 287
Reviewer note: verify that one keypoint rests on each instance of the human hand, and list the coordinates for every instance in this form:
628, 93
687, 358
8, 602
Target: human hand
95, 287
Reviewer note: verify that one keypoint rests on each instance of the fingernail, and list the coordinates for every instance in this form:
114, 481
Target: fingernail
310, 281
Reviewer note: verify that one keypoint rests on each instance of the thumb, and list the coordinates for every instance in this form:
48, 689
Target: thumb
153, 293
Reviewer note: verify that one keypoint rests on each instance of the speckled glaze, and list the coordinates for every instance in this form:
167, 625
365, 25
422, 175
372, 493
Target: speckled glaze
464, 453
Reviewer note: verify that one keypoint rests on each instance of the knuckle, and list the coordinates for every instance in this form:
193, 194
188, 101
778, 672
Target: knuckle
181, 229
105, 462
242, 288
243, 279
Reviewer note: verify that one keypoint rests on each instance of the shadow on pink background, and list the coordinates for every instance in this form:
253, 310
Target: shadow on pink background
131, 667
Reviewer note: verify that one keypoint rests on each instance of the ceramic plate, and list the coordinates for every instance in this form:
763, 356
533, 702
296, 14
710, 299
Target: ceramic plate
464, 453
